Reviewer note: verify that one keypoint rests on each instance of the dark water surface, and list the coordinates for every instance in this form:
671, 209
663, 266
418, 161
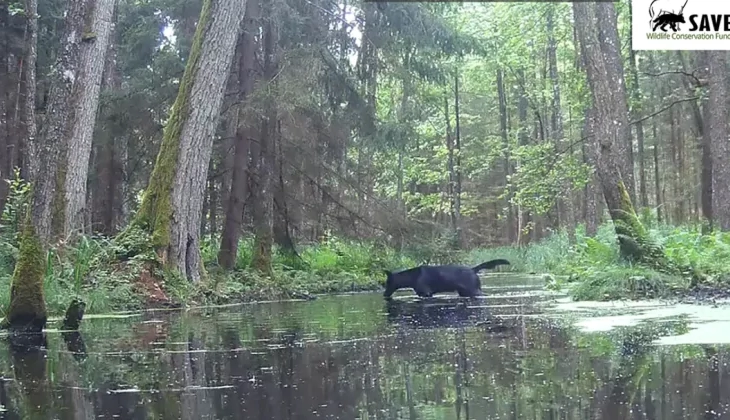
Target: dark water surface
355, 357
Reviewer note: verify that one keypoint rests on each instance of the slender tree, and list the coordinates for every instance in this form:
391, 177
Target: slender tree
245, 73
91, 69
718, 130
265, 158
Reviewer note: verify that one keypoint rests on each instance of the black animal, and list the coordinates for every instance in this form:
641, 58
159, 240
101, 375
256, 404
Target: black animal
668, 19
427, 280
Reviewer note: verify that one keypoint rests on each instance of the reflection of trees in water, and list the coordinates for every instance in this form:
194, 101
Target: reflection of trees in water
536, 371
28, 358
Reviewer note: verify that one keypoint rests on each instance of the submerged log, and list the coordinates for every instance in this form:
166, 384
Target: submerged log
74, 315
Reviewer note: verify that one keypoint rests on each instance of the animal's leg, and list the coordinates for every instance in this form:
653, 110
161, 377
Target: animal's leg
466, 293
664, 27
423, 291
673, 25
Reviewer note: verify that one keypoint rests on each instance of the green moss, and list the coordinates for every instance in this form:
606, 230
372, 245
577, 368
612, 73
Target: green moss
27, 301
156, 208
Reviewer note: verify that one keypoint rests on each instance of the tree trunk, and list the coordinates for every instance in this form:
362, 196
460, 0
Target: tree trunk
233, 222
212, 204
281, 230
566, 214
611, 47
91, 69
503, 127
5, 86
58, 119
706, 143
718, 130
457, 170
451, 168
636, 113
172, 204
523, 226
590, 210
672, 212
657, 180
611, 137
263, 200
27, 115
27, 309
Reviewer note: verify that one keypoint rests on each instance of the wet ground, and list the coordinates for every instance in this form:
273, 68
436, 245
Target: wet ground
518, 353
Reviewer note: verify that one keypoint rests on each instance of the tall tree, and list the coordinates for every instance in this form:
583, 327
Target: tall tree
78, 151
565, 200
611, 47
636, 101
245, 74
172, 204
718, 130
27, 309
264, 157
57, 122
609, 104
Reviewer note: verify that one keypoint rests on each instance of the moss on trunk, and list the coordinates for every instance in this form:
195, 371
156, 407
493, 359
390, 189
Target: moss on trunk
27, 310
156, 209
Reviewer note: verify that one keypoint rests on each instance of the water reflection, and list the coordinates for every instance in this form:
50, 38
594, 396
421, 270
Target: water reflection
356, 357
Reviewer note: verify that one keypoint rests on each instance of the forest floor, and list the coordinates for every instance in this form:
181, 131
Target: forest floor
589, 268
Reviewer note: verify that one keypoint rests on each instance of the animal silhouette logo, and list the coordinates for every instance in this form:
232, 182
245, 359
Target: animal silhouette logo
665, 13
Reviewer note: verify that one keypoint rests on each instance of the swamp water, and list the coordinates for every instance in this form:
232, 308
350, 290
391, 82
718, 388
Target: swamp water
517, 353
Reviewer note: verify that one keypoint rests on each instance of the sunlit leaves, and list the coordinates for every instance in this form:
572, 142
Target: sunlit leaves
538, 179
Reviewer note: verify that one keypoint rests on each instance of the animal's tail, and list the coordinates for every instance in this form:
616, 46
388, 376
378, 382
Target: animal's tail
489, 265
651, 13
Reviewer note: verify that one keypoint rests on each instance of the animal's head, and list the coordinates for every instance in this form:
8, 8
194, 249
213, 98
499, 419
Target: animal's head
390, 287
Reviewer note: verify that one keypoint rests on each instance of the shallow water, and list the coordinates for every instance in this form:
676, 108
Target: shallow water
518, 353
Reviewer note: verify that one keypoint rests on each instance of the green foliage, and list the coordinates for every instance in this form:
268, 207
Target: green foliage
27, 302
11, 220
540, 176
596, 270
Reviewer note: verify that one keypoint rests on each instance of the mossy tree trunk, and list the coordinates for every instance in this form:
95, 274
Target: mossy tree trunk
611, 114
27, 311
264, 160
78, 153
172, 204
